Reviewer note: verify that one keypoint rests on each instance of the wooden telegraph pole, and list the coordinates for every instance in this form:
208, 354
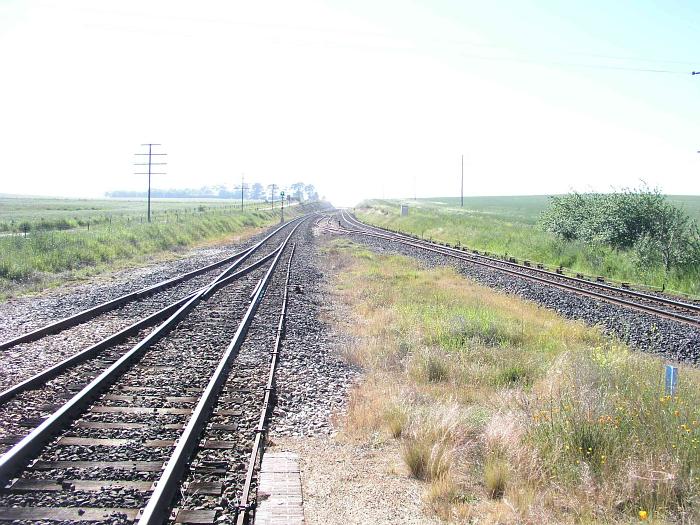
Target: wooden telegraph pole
273, 187
243, 188
150, 171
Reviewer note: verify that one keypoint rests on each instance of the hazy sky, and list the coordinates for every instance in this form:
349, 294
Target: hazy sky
361, 98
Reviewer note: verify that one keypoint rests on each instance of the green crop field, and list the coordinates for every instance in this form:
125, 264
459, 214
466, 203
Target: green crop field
20, 213
46, 241
509, 226
525, 208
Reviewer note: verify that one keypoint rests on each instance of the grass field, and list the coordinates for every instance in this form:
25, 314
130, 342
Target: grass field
527, 208
69, 238
508, 225
508, 413
18, 214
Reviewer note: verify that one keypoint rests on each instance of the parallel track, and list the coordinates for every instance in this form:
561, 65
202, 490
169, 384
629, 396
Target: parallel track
94, 350
661, 306
85, 315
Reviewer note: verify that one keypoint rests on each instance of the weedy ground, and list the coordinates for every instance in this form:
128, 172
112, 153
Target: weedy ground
509, 413
508, 225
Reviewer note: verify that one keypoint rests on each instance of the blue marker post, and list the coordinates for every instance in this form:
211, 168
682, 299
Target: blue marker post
671, 380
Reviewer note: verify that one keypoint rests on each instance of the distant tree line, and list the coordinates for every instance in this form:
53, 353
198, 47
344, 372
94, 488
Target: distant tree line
256, 191
643, 221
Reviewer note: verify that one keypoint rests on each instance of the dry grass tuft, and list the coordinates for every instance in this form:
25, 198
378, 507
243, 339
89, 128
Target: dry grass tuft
496, 476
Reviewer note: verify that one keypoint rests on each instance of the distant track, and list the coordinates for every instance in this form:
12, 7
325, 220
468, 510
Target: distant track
661, 306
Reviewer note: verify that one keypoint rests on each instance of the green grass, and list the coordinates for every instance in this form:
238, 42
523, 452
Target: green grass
508, 226
46, 256
509, 413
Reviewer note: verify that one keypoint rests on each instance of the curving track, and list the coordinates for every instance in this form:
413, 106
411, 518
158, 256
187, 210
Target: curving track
655, 304
653, 323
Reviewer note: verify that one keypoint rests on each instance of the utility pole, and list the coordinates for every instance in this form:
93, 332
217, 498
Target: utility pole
462, 190
243, 188
150, 171
273, 187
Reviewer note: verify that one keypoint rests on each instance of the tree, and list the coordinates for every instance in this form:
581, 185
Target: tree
659, 235
617, 219
565, 215
310, 192
257, 192
673, 241
298, 191
220, 190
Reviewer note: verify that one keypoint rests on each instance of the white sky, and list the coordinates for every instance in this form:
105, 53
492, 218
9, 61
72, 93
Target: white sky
362, 98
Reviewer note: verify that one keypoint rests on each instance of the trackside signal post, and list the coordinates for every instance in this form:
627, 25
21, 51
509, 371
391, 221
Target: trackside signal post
282, 201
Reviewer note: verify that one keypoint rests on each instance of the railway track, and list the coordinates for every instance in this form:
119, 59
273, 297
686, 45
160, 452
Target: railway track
198, 385
106, 328
118, 302
73, 346
35, 396
661, 306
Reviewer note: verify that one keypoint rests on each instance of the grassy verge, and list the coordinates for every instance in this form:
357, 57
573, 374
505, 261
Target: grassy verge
507, 227
509, 413
45, 258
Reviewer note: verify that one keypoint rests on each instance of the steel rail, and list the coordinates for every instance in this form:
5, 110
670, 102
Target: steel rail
20, 454
158, 506
425, 245
635, 293
245, 506
113, 304
114, 339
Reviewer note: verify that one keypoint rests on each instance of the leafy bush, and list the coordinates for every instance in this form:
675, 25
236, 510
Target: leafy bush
660, 234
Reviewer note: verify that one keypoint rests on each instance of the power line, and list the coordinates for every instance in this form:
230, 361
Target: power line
573, 64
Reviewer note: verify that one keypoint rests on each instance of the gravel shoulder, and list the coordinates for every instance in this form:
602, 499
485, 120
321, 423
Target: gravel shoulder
343, 481
350, 483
